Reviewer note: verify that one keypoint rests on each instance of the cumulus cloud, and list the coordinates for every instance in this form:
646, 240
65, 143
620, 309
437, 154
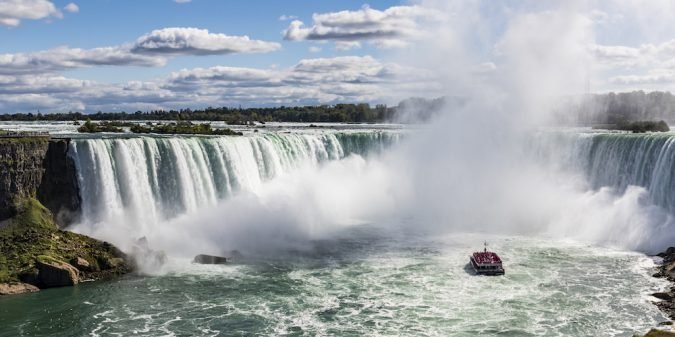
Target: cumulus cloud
13, 11
285, 17
150, 50
63, 58
347, 45
646, 64
71, 8
193, 41
643, 55
26, 85
388, 28
657, 78
310, 81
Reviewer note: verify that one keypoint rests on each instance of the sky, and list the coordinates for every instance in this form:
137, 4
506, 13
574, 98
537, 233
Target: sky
128, 55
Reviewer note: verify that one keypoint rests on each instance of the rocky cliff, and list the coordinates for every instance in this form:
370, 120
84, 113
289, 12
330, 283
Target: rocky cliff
59, 190
38, 167
38, 189
21, 170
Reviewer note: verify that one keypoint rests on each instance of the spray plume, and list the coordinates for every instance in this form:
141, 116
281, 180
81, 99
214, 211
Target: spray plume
473, 169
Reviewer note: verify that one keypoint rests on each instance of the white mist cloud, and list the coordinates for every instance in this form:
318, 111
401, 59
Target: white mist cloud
474, 169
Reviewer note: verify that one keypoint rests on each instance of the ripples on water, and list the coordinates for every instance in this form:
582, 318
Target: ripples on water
362, 284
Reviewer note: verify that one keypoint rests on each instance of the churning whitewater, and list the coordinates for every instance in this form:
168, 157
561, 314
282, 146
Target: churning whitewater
146, 183
265, 194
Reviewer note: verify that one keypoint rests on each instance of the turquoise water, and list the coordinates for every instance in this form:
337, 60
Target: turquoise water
362, 283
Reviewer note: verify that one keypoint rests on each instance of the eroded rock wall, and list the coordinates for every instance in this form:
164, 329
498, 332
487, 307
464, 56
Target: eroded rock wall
21, 170
59, 189
39, 167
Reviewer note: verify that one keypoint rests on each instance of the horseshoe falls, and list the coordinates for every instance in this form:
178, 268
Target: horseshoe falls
138, 185
615, 160
277, 196
151, 179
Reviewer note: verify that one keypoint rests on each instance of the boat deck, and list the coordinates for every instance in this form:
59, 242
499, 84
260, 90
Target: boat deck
486, 258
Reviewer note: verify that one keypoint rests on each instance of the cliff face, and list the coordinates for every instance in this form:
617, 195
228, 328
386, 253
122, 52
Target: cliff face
37, 167
33, 250
59, 190
21, 170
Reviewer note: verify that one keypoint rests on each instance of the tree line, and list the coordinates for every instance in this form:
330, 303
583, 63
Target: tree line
609, 108
339, 113
618, 108
409, 110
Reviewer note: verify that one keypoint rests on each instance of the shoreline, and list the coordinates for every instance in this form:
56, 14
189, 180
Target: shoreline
666, 270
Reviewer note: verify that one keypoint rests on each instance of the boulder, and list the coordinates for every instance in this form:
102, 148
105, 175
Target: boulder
55, 273
659, 333
669, 251
110, 262
17, 288
669, 269
663, 296
668, 255
146, 257
209, 259
81, 264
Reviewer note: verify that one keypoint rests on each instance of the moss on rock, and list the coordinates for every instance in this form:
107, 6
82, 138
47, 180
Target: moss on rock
32, 236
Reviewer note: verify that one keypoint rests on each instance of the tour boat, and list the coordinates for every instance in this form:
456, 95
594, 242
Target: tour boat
486, 263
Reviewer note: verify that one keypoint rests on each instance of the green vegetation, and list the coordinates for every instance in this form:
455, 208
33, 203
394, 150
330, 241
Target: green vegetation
32, 235
639, 126
183, 128
339, 113
17, 140
180, 128
89, 127
346, 113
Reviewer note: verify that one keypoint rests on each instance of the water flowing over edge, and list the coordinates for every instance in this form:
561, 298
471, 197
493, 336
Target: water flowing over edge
616, 160
146, 180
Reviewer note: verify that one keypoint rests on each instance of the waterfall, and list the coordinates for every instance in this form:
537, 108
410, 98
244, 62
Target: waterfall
145, 180
616, 160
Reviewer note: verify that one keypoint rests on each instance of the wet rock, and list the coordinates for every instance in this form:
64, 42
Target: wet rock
209, 259
59, 189
21, 170
110, 262
30, 276
663, 296
17, 288
55, 273
81, 264
659, 333
669, 251
147, 257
